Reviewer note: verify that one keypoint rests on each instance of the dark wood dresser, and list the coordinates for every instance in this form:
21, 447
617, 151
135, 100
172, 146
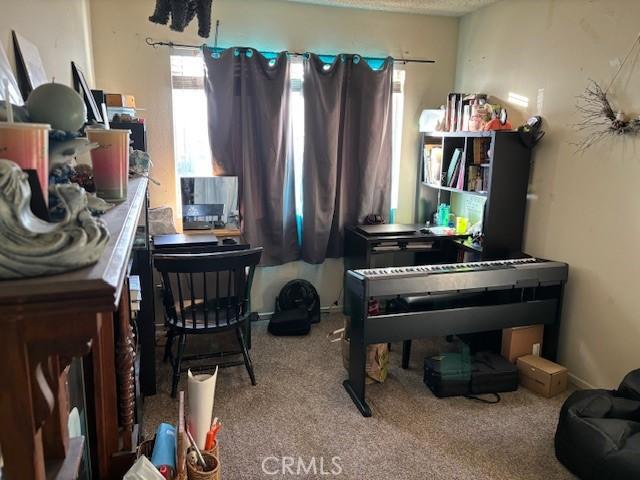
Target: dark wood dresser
48, 321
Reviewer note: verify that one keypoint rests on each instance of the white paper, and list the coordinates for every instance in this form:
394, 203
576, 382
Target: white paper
143, 469
201, 391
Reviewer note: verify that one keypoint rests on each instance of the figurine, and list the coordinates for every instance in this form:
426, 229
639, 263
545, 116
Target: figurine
31, 247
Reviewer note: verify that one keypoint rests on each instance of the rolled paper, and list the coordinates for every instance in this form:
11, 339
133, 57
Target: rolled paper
110, 162
201, 391
27, 144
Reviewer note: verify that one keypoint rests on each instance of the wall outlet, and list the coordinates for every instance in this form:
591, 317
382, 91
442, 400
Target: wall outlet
536, 349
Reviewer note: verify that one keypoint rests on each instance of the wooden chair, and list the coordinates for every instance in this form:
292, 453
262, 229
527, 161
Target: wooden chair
207, 293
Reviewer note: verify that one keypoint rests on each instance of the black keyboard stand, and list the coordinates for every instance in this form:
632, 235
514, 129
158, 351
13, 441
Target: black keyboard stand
529, 305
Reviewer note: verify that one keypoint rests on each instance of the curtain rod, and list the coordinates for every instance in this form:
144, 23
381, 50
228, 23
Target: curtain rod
156, 44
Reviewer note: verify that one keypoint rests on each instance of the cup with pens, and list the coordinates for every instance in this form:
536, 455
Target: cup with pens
204, 464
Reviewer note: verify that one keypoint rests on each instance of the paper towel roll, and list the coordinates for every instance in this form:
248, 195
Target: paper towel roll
201, 390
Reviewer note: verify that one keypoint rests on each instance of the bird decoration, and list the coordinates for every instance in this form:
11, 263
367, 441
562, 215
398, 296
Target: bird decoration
182, 12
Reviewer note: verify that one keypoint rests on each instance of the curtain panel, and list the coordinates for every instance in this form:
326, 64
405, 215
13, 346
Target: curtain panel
347, 150
249, 132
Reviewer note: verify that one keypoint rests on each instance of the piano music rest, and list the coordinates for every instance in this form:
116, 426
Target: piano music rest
481, 296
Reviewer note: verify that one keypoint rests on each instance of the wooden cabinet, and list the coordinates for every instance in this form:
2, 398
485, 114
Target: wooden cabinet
47, 321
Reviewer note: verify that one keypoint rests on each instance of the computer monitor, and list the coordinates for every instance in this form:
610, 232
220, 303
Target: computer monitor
209, 202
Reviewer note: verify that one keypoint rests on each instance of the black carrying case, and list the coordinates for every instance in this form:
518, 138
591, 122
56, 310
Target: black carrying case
491, 373
290, 322
446, 375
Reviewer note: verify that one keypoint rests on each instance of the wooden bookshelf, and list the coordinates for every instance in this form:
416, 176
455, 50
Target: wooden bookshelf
503, 163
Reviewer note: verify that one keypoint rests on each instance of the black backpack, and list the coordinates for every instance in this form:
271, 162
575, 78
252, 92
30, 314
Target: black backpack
297, 307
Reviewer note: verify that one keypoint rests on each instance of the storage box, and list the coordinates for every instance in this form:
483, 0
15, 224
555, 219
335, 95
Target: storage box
519, 341
542, 376
120, 100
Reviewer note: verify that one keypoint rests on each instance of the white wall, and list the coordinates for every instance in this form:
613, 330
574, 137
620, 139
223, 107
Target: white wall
124, 63
583, 209
59, 28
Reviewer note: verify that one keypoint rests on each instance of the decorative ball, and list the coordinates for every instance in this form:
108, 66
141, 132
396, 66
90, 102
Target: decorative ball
58, 105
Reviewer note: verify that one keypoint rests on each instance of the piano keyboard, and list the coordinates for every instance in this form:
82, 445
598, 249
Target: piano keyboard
459, 277
419, 271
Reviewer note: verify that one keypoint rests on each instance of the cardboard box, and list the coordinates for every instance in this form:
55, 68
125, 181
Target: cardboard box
120, 100
519, 341
542, 376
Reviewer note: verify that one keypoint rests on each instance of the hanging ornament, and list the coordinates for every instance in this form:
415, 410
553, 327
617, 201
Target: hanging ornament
599, 117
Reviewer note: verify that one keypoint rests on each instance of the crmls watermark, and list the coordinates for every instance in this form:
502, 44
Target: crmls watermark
300, 466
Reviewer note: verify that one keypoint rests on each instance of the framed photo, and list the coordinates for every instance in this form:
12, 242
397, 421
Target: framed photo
80, 85
7, 74
29, 67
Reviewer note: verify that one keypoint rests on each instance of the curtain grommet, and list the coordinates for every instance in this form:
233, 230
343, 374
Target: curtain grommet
356, 59
236, 52
248, 53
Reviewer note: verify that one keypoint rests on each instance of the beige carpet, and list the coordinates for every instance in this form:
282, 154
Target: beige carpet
299, 409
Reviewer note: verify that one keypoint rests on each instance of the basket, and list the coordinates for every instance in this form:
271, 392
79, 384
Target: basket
146, 448
212, 464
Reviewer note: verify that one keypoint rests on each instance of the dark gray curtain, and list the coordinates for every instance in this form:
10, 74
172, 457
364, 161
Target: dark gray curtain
347, 150
248, 106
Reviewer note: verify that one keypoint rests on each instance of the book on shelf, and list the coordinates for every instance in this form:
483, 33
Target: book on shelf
473, 173
461, 170
485, 179
458, 110
481, 150
432, 164
452, 171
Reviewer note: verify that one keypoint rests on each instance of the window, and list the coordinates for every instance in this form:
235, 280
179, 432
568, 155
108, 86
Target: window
296, 119
191, 139
190, 129
396, 138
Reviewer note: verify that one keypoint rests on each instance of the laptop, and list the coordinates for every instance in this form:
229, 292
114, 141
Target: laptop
382, 229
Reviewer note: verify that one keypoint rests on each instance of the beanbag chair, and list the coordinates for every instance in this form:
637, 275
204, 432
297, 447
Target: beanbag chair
598, 434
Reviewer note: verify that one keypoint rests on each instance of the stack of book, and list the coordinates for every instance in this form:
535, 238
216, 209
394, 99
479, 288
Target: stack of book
458, 111
478, 171
456, 170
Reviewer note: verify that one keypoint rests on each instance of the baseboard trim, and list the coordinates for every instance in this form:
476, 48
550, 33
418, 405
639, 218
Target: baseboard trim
580, 383
327, 309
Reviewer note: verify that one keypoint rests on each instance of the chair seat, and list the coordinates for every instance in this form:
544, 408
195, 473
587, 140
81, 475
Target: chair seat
226, 317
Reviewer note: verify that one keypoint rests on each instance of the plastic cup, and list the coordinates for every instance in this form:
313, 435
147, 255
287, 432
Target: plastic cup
27, 144
462, 224
110, 162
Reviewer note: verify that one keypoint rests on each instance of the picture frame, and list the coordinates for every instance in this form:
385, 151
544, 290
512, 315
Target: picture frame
81, 86
6, 73
29, 67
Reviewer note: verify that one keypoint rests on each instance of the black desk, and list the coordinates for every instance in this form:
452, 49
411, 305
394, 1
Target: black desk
175, 243
212, 243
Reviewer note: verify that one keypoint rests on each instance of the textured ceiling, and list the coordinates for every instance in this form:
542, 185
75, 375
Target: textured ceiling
427, 7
